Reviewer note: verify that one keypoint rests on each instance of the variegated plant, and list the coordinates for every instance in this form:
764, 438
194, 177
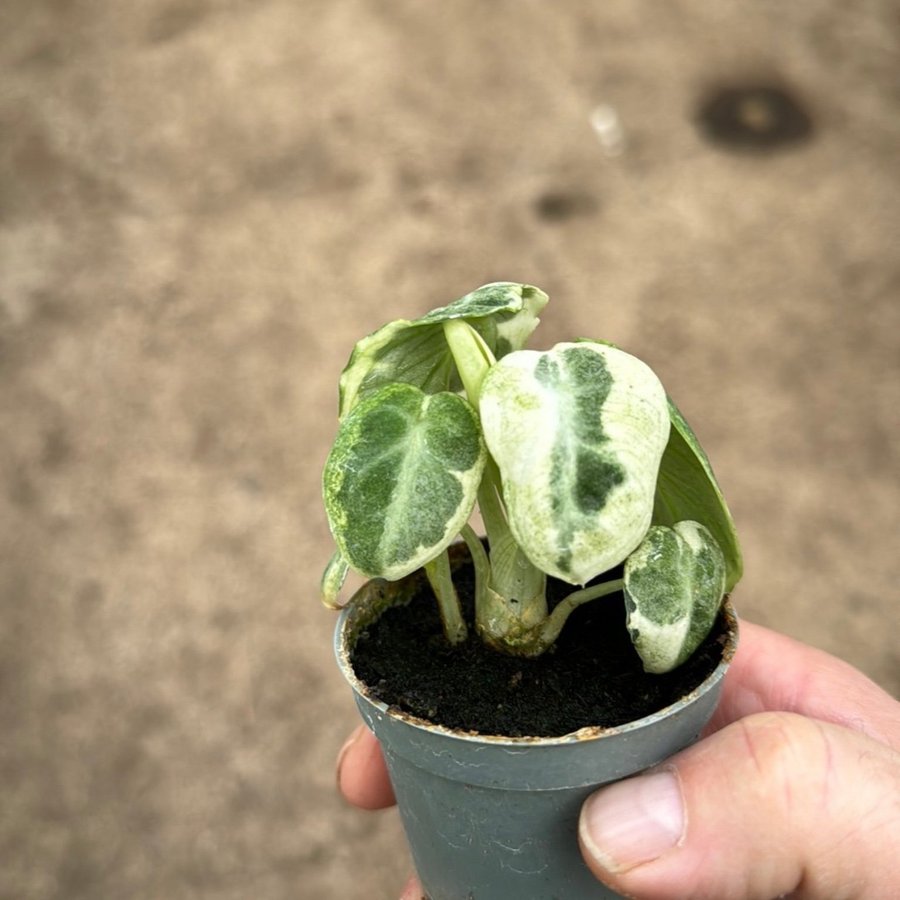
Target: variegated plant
576, 458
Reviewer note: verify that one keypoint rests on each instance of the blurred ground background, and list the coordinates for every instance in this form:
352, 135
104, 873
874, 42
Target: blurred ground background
203, 204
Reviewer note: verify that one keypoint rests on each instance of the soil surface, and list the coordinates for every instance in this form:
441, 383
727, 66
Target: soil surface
591, 677
204, 203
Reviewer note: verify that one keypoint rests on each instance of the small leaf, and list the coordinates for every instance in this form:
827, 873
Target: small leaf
687, 489
402, 478
577, 433
674, 584
416, 352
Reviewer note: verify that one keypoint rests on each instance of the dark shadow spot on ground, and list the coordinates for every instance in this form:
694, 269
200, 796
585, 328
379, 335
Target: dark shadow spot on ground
560, 205
754, 118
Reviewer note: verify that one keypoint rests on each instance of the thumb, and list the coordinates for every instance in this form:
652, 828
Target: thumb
773, 804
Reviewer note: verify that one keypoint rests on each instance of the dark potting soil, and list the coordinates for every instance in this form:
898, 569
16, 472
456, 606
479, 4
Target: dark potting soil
591, 677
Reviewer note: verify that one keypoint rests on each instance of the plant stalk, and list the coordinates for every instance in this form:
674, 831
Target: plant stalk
438, 572
511, 602
555, 621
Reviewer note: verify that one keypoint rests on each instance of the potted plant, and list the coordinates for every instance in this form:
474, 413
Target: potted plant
590, 484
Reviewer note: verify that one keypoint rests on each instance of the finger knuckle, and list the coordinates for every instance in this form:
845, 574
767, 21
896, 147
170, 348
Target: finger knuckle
792, 757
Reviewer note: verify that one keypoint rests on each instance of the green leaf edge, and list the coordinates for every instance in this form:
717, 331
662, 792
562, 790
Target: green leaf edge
716, 516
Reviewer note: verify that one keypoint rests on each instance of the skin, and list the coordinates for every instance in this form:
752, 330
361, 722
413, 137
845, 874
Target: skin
794, 789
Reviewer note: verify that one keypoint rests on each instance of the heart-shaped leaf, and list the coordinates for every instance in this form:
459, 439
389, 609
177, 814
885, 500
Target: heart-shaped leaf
401, 478
674, 584
416, 352
577, 433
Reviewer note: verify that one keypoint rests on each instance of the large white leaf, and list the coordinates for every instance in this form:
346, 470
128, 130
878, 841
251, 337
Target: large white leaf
577, 433
401, 478
674, 584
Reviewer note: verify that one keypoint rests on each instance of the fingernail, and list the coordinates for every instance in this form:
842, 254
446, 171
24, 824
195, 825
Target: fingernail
355, 735
634, 821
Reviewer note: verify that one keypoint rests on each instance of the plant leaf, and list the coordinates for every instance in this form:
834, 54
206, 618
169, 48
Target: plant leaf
577, 433
674, 584
401, 478
687, 489
416, 352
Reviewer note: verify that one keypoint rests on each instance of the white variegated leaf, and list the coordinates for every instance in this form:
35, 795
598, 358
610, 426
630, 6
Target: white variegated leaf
416, 352
401, 478
674, 584
577, 433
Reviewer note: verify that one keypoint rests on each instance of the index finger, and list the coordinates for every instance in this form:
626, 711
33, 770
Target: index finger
362, 775
774, 673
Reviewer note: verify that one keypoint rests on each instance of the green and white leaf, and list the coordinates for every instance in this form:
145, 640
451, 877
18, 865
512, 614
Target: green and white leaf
687, 489
416, 352
674, 584
577, 433
401, 478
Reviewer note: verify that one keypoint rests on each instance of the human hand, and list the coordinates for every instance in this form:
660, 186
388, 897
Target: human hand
795, 789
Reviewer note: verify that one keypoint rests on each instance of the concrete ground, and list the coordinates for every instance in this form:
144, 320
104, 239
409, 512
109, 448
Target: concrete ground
203, 204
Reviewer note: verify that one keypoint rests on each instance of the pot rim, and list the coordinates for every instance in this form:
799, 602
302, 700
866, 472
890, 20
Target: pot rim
589, 733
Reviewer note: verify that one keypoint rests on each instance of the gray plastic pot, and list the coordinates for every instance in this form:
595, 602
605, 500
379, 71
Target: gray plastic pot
495, 818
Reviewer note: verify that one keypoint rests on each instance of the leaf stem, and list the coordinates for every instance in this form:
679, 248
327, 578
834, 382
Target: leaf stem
333, 580
473, 360
471, 354
555, 621
438, 572
489, 504
481, 564
511, 600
